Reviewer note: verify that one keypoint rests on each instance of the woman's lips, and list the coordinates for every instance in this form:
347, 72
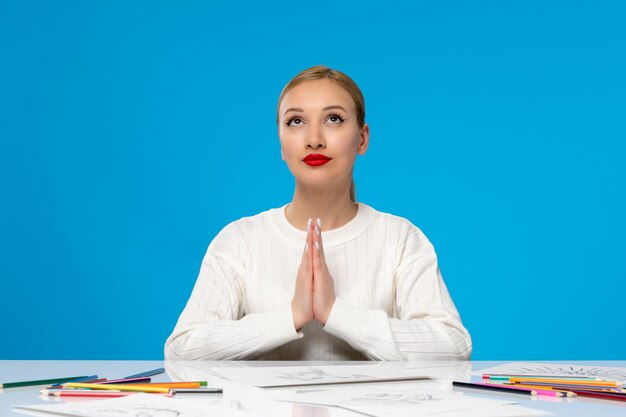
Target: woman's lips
316, 160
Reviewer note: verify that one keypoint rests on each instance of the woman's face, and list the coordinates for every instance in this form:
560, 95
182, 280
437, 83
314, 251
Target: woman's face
317, 123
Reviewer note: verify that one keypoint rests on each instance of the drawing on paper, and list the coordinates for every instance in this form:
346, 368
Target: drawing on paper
388, 398
573, 370
137, 411
316, 374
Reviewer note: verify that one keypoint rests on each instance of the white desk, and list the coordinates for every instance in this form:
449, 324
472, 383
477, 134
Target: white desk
32, 370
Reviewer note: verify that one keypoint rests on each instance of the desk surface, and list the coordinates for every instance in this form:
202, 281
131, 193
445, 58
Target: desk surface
200, 370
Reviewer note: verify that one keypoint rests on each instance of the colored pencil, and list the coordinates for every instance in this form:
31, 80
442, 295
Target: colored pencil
507, 376
601, 395
92, 381
547, 393
486, 387
618, 393
147, 373
173, 384
133, 381
568, 382
89, 378
600, 389
565, 391
39, 382
120, 387
563, 387
533, 377
90, 393
176, 391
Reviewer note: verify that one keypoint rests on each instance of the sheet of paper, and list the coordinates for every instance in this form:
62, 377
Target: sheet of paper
555, 369
144, 405
316, 375
396, 401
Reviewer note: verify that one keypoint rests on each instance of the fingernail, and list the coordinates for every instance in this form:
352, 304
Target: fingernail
308, 225
317, 247
306, 247
319, 222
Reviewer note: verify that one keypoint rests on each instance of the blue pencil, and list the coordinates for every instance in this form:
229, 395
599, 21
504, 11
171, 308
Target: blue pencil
147, 373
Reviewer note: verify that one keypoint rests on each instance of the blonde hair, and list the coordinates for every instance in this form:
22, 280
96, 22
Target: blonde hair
321, 72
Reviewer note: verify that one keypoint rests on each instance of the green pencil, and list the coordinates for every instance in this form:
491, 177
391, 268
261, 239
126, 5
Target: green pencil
38, 382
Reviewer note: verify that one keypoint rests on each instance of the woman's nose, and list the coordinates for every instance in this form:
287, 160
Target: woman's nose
315, 138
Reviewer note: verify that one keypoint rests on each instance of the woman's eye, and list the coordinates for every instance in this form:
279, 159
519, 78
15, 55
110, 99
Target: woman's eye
294, 121
334, 118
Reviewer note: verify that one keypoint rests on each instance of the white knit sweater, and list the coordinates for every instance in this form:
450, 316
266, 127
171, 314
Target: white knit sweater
391, 304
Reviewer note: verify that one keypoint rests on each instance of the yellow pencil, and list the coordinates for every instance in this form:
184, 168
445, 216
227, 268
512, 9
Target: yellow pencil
116, 387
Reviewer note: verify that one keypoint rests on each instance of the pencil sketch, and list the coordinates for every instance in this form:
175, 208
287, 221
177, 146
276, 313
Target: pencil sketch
554, 369
138, 405
317, 374
140, 411
401, 401
578, 371
85, 410
388, 398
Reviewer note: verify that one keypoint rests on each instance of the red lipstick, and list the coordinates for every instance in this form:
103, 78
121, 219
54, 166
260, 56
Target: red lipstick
316, 160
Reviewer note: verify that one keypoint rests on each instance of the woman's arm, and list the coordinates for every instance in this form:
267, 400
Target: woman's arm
428, 325
212, 325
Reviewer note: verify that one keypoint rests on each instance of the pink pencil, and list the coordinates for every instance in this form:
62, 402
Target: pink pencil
547, 393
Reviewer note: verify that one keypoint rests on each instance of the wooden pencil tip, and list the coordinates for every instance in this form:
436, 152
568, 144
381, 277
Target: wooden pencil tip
43, 392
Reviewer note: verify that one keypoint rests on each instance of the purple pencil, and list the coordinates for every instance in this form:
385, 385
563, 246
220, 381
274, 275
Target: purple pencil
127, 381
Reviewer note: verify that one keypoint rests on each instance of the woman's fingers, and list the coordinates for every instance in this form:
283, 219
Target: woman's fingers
323, 284
318, 253
302, 302
308, 250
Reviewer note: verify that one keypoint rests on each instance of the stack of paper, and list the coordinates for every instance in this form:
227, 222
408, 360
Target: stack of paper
375, 389
371, 390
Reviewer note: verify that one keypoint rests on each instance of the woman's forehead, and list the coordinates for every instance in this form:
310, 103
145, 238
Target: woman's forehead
316, 94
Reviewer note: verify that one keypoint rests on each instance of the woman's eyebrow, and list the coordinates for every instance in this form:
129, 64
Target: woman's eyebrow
292, 109
324, 109
334, 107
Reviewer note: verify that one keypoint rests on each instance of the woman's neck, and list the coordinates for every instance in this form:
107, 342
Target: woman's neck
334, 209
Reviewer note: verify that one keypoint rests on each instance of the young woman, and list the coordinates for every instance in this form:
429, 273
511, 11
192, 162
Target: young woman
323, 277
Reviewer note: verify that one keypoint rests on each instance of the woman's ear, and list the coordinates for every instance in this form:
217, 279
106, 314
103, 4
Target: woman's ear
364, 139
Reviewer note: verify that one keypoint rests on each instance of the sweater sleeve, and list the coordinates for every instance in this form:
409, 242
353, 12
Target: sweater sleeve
212, 325
428, 325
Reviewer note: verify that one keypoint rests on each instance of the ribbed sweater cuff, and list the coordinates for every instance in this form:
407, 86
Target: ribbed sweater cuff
277, 327
346, 321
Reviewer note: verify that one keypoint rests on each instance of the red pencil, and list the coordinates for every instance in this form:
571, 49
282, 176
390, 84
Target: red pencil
602, 395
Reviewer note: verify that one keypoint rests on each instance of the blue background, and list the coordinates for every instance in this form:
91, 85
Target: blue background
132, 132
